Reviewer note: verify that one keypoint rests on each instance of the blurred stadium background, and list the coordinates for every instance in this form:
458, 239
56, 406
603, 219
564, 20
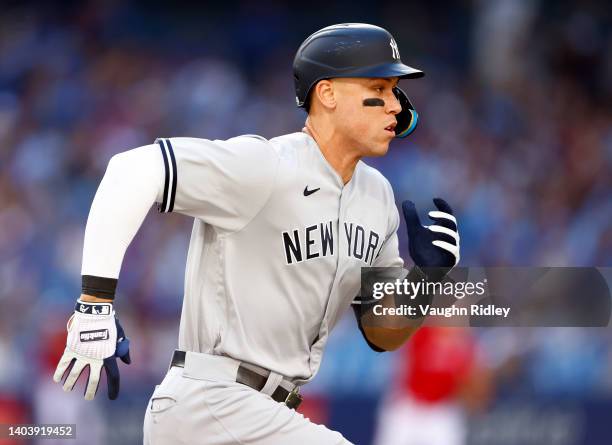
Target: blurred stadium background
515, 132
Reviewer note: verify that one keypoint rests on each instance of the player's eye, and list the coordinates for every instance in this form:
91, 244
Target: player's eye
379, 89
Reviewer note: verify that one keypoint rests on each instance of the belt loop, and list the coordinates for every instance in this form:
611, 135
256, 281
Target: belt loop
272, 383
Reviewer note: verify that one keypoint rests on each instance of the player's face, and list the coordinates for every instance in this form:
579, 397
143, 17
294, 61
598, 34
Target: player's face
366, 110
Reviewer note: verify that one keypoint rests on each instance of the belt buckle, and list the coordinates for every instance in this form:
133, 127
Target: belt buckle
294, 398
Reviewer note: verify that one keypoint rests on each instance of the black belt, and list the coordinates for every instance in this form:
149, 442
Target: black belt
252, 379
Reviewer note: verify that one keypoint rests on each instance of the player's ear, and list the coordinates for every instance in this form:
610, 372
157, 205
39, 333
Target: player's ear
324, 92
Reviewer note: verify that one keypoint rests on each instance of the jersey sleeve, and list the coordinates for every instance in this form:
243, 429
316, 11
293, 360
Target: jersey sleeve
388, 256
224, 183
389, 253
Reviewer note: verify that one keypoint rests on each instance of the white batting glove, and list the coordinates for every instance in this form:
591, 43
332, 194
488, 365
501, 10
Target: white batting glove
95, 339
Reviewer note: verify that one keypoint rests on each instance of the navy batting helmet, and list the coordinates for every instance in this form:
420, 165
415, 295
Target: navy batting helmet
353, 50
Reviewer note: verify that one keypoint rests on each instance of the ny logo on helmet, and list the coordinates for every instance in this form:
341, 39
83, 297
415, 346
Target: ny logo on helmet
395, 49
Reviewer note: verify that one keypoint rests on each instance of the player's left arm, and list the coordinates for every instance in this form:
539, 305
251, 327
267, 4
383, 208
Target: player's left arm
382, 332
434, 250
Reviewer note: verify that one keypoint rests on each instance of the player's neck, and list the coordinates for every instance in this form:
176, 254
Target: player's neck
339, 153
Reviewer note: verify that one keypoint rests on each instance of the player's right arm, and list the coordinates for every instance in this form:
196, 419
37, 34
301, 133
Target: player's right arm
133, 182
224, 183
95, 338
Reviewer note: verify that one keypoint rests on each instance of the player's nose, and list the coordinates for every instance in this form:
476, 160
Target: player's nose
393, 104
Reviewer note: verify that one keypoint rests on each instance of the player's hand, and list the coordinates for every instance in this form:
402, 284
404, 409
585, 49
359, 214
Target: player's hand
435, 246
95, 339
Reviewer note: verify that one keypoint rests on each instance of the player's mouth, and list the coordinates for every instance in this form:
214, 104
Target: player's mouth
391, 128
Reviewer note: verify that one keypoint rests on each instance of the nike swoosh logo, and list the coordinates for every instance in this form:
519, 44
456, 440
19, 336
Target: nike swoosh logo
310, 192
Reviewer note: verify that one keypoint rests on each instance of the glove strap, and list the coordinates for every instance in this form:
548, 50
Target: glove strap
87, 308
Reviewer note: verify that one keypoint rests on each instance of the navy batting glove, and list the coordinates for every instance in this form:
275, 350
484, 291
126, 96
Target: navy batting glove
435, 246
110, 363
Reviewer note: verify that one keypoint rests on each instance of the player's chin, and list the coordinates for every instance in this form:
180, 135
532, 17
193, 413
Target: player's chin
379, 148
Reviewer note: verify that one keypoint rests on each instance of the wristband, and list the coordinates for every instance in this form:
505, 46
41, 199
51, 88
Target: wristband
100, 287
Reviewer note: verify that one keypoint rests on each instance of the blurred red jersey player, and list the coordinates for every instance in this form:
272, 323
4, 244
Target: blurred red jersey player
440, 377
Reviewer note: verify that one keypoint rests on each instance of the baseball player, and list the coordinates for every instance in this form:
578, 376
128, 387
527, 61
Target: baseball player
281, 230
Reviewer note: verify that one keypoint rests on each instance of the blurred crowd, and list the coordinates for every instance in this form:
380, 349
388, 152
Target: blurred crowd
515, 132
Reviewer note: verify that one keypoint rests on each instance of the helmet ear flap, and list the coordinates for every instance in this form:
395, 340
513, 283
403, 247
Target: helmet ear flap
408, 118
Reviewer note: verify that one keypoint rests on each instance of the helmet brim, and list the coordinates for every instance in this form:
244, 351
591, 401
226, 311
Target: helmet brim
385, 70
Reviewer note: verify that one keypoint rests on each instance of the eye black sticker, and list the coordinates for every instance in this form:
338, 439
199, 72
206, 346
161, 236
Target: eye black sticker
373, 102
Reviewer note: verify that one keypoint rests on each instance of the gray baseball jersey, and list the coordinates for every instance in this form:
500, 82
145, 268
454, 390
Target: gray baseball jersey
277, 242
276, 247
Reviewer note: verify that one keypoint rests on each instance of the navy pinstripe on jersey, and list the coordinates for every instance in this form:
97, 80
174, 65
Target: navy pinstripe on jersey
167, 204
